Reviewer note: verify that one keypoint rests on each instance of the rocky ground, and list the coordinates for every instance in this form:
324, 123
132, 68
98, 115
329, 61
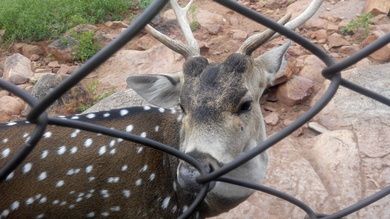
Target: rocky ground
295, 165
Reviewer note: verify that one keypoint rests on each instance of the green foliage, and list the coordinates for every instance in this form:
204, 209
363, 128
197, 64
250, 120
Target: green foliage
143, 4
33, 20
85, 46
360, 26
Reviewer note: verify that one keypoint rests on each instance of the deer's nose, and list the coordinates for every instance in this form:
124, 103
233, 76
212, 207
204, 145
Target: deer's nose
187, 174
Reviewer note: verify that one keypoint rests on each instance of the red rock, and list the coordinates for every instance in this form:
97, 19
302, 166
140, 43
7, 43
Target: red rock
17, 69
295, 91
336, 40
239, 34
116, 24
272, 119
382, 54
29, 50
214, 29
9, 106
376, 7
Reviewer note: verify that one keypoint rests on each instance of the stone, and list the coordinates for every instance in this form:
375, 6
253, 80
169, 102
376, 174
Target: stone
214, 29
207, 19
116, 24
62, 51
380, 19
9, 106
349, 50
63, 69
34, 57
382, 54
320, 34
54, 64
336, 40
239, 34
377, 7
4, 93
312, 68
73, 69
29, 50
67, 104
124, 63
272, 119
317, 127
17, 69
295, 91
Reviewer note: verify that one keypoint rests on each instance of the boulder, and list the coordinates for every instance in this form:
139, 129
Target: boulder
17, 69
382, 54
67, 104
377, 7
62, 48
336, 40
295, 91
9, 106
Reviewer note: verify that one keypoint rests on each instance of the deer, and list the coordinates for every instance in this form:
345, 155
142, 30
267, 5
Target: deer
74, 173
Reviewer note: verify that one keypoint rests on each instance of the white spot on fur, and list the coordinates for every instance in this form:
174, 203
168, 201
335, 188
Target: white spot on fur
179, 118
42, 176
112, 143
60, 183
71, 206
92, 178
124, 112
55, 202
126, 193
147, 107
161, 110
5, 213
91, 116
75, 117
105, 214
156, 128
11, 123
105, 115
113, 151
115, 208
173, 111
88, 142
73, 150
47, 135
138, 182
40, 216
25, 135
90, 214
15, 205
5, 140
5, 152
165, 203
29, 201
61, 150
89, 169
129, 128
44, 154
185, 207
104, 193
152, 176
102, 150
27, 167
63, 203
139, 150
75, 133
143, 169
113, 180
143, 135
124, 168
70, 172
9, 177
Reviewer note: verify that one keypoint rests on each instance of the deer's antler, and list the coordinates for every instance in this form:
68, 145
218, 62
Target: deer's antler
181, 13
255, 41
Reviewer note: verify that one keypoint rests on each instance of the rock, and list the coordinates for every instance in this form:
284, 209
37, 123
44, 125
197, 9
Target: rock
320, 34
381, 19
34, 57
382, 54
9, 106
81, 28
62, 51
317, 127
207, 19
43, 70
17, 69
63, 69
272, 119
294, 91
29, 50
124, 63
72, 69
4, 93
121, 99
377, 7
317, 24
54, 64
214, 29
336, 40
312, 68
116, 24
67, 104
349, 50
239, 34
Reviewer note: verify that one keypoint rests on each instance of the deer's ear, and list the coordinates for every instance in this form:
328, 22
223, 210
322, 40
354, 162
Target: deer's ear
273, 61
159, 90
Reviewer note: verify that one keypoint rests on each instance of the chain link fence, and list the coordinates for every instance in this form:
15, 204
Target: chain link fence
331, 72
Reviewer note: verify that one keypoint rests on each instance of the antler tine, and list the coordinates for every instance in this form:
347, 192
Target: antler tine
257, 40
181, 14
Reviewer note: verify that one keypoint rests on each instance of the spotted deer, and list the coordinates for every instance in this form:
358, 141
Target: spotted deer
74, 173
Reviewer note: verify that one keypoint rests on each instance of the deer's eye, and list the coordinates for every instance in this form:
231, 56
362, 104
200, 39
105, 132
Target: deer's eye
245, 107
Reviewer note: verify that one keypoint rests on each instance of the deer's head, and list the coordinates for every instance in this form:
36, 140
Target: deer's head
221, 108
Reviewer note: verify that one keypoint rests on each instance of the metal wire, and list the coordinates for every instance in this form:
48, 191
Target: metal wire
332, 72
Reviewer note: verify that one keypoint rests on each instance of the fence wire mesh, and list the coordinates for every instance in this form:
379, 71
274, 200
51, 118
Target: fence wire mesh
38, 116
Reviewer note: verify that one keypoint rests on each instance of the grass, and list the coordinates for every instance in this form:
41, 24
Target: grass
92, 87
35, 20
360, 26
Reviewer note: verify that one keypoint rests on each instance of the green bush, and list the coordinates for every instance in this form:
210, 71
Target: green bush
359, 26
33, 20
85, 46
